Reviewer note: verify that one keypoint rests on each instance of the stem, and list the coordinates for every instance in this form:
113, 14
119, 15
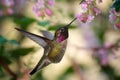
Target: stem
76, 68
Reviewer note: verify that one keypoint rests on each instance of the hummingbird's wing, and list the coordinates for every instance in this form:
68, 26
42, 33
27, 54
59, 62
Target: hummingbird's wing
47, 34
38, 39
41, 64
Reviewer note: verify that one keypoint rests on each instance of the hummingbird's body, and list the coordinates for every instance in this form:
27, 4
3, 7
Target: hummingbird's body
57, 51
54, 46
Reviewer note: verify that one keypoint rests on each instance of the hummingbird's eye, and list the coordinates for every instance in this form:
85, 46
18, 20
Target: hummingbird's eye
62, 30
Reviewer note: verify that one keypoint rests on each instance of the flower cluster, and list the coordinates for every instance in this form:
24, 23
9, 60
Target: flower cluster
43, 6
89, 11
103, 52
8, 4
114, 18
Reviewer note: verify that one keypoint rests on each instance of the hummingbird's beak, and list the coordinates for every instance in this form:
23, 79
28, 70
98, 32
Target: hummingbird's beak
71, 22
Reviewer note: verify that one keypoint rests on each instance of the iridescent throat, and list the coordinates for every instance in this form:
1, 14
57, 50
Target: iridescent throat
61, 38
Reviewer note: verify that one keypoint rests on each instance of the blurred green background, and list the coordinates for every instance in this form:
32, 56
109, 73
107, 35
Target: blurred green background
19, 55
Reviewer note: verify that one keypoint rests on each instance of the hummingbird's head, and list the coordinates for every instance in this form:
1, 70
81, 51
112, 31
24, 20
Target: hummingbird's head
61, 34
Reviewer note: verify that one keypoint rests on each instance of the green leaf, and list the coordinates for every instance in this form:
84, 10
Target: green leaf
1, 72
23, 21
3, 40
109, 71
13, 42
7, 58
58, 26
43, 23
16, 53
116, 5
67, 72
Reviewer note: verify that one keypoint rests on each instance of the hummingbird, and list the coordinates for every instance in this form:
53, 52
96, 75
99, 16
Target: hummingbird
54, 45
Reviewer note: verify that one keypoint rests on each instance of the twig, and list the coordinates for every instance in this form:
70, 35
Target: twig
5, 66
77, 69
98, 48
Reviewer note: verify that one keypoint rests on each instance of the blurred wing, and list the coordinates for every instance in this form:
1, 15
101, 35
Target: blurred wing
47, 34
41, 64
38, 39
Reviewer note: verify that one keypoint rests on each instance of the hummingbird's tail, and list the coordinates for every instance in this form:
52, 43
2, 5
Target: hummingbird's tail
41, 64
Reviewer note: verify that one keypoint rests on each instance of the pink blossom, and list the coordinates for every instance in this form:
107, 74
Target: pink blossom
35, 9
40, 4
102, 54
51, 2
42, 7
1, 13
82, 18
104, 60
96, 11
41, 1
89, 1
90, 18
8, 3
10, 11
112, 11
48, 12
114, 18
85, 18
118, 25
84, 6
40, 14
107, 45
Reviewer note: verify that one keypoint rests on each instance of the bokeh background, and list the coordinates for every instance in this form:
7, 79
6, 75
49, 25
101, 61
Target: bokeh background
82, 61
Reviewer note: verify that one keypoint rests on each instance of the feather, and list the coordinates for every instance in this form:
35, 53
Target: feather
38, 39
47, 34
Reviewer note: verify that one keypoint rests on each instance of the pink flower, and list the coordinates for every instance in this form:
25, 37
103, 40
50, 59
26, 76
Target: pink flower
107, 45
118, 25
96, 11
51, 2
40, 4
84, 6
89, 1
42, 7
103, 54
10, 11
48, 12
90, 18
35, 9
85, 18
40, 14
41, 1
114, 18
112, 11
1, 13
8, 3
82, 18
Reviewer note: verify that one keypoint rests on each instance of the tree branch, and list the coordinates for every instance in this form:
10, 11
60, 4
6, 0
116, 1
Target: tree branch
77, 70
5, 66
